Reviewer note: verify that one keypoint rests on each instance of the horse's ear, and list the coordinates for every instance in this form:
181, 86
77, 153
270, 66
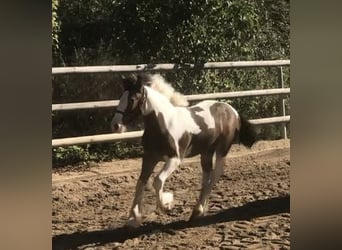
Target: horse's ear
127, 81
121, 81
139, 83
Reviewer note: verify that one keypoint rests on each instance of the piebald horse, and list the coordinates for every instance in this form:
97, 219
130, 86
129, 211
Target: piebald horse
173, 130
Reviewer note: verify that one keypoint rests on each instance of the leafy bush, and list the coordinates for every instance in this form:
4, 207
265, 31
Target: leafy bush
70, 155
131, 32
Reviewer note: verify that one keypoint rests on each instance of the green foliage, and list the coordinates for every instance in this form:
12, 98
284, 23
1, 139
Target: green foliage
56, 29
96, 152
181, 31
55, 24
103, 32
69, 155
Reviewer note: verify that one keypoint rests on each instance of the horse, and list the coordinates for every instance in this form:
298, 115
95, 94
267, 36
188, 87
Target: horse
173, 130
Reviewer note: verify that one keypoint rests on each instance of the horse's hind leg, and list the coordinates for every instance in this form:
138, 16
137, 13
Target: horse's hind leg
165, 199
148, 164
209, 177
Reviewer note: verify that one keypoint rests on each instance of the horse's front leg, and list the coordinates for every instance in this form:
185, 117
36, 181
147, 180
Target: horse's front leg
148, 164
165, 199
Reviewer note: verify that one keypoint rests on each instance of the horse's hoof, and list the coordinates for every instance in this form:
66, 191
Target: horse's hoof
133, 222
168, 207
197, 212
195, 215
165, 208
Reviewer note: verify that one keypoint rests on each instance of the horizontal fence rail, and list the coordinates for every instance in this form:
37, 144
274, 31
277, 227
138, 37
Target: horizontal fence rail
235, 94
137, 134
167, 67
111, 137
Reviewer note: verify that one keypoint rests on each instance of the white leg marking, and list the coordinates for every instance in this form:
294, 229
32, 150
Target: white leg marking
165, 199
136, 211
135, 219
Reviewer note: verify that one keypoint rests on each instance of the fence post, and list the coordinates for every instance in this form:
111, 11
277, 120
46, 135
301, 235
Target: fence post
282, 101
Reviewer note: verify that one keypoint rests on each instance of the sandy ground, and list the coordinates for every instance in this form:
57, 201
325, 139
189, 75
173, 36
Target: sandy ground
249, 207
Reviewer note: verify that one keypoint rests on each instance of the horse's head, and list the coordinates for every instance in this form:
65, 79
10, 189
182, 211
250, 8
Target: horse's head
130, 103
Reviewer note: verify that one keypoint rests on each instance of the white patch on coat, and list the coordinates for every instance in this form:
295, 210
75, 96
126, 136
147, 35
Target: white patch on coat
177, 120
205, 113
157, 102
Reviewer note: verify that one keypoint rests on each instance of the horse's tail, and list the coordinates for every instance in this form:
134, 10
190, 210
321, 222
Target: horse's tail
247, 134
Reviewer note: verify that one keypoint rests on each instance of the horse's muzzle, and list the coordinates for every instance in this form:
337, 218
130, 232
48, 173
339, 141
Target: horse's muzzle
118, 128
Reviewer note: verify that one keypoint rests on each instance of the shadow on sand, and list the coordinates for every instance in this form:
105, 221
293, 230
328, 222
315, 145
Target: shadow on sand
248, 211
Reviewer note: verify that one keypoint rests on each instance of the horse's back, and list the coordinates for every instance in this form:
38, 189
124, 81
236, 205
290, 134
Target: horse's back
218, 122
216, 114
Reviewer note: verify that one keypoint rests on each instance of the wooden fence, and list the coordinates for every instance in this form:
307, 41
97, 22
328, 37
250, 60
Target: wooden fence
167, 67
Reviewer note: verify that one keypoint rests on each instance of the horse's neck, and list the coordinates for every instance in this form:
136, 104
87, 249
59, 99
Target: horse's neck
158, 103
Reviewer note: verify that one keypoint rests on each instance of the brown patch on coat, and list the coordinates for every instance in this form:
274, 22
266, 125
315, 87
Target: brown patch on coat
183, 144
156, 138
226, 125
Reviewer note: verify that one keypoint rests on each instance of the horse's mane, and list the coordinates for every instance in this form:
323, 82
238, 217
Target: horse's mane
158, 83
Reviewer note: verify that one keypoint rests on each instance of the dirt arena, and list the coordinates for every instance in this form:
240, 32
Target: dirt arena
249, 207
